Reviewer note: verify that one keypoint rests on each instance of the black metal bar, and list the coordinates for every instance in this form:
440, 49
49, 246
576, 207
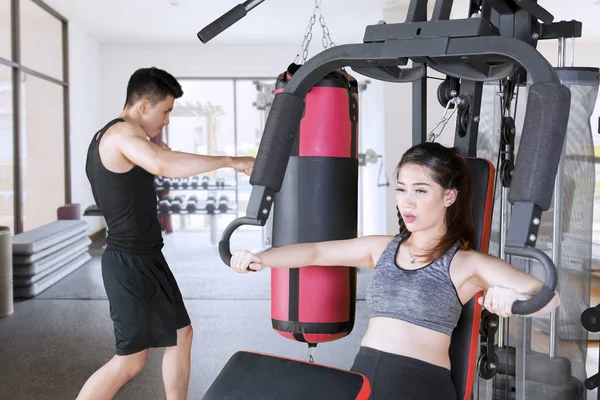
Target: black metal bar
49, 10
16, 82
562, 29
455, 28
502, 6
536, 10
392, 52
442, 10
465, 137
419, 111
417, 11
235, 142
474, 7
43, 76
66, 112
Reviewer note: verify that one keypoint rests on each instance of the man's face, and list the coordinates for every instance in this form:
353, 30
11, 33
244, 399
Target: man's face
156, 117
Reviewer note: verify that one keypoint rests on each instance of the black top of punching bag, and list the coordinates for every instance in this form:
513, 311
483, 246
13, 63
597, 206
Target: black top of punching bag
337, 78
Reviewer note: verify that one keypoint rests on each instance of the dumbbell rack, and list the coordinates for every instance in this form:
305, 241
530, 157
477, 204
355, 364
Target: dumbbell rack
169, 205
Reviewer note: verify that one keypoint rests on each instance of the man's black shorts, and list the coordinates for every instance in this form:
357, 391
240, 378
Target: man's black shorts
145, 302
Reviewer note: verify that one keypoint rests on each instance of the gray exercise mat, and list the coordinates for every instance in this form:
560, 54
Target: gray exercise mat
26, 280
31, 258
53, 259
46, 236
28, 292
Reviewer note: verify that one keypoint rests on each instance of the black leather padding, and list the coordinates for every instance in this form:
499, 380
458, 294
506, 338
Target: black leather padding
256, 376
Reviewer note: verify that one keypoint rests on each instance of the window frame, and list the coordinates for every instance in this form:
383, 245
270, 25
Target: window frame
17, 70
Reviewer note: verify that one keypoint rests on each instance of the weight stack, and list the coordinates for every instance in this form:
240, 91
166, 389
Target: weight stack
6, 273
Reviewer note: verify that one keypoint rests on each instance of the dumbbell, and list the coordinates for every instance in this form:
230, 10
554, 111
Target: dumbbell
205, 182
164, 206
167, 183
158, 181
195, 181
185, 183
176, 183
210, 205
223, 204
176, 206
192, 204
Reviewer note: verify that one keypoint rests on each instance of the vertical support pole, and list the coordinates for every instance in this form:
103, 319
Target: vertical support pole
558, 206
419, 111
16, 81
417, 11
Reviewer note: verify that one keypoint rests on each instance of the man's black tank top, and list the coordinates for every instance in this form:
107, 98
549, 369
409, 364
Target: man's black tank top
127, 201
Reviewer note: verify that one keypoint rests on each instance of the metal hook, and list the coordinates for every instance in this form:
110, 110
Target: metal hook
445, 118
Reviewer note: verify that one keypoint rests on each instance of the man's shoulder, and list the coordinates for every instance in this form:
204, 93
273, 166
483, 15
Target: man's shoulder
124, 129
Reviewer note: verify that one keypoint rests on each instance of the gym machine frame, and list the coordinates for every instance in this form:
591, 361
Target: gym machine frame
498, 41
468, 49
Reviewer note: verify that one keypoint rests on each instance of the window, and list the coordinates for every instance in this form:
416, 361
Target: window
41, 40
6, 149
203, 122
217, 117
33, 87
5, 31
42, 151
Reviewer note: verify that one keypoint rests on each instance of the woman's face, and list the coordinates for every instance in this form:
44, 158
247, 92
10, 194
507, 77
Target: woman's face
421, 201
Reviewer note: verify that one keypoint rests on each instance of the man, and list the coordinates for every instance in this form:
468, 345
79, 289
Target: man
146, 305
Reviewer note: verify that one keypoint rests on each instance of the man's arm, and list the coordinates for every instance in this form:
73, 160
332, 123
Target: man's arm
174, 164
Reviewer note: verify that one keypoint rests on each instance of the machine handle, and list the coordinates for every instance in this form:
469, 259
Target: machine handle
543, 297
226, 20
224, 243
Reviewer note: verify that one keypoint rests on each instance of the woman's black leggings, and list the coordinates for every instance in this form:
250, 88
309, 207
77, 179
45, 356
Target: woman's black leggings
397, 377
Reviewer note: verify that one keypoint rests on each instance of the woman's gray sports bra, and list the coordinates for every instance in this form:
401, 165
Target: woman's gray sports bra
425, 297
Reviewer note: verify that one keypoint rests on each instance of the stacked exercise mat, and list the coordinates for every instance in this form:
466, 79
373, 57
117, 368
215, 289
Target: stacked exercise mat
45, 255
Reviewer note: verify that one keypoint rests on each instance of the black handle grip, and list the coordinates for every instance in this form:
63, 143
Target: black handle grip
224, 243
223, 22
546, 294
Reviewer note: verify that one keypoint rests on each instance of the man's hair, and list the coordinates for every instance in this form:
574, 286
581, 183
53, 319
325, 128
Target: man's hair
153, 84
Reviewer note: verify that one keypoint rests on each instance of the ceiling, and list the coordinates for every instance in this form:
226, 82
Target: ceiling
274, 21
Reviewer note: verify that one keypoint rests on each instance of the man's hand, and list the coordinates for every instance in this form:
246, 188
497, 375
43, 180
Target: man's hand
243, 164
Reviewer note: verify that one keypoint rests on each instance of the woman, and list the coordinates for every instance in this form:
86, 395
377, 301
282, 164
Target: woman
422, 277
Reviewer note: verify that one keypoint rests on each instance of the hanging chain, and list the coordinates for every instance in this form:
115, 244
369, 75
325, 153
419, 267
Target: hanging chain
310, 352
444, 120
326, 40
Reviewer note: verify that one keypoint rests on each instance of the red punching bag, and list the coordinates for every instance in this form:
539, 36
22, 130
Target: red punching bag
318, 202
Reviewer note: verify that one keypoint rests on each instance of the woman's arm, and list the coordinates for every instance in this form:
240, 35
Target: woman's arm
359, 252
504, 284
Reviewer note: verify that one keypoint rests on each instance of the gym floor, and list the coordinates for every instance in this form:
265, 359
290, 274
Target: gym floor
53, 343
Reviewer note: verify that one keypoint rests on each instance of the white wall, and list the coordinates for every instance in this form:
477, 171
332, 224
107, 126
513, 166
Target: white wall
85, 66
372, 136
